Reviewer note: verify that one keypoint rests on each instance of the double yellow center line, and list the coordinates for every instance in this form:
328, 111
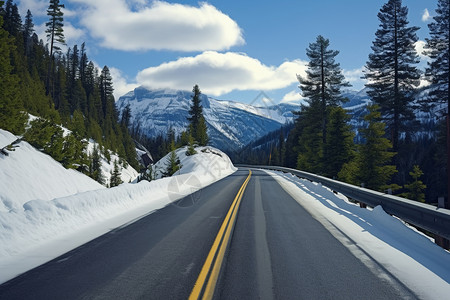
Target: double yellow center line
211, 268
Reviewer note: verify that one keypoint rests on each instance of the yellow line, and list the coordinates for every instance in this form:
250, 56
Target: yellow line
229, 219
209, 291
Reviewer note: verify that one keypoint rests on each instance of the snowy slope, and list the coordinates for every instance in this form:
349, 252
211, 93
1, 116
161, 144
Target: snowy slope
406, 253
230, 124
127, 174
40, 230
27, 174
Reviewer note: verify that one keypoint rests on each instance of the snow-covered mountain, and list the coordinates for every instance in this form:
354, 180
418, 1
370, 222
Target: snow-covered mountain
231, 125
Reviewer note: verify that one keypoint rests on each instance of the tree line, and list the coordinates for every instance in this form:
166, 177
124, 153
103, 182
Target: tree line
60, 89
390, 155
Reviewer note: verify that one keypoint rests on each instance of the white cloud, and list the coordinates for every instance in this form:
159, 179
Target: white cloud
38, 8
220, 73
355, 78
292, 96
420, 46
160, 25
120, 84
426, 15
72, 34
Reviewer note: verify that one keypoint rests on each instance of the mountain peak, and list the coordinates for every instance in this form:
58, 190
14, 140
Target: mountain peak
231, 125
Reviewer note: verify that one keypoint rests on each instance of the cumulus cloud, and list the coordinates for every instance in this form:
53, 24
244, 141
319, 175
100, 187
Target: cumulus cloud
426, 15
220, 73
137, 26
292, 96
120, 83
38, 8
355, 77
72, 34
420, 46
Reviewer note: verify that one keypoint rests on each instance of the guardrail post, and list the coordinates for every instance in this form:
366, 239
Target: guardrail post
439, 240
362, 205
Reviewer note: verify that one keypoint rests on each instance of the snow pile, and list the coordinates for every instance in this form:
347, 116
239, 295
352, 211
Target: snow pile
28, 174
406, 253
42, 230
127, 174
208, 162
6, 138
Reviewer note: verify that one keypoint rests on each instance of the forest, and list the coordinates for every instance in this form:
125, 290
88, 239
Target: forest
392, 154
43, 88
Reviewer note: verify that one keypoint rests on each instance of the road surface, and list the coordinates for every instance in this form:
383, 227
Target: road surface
276, 250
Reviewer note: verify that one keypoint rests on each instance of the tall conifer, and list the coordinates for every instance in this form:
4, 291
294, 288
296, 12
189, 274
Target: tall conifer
324, 79
391, 69
197, 123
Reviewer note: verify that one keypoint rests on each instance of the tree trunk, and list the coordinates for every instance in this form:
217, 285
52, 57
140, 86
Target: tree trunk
324, 103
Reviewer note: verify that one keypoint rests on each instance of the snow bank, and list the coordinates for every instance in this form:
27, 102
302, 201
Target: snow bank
208, 161
128, 174
28, 174
42, 230
6, 138
406, 253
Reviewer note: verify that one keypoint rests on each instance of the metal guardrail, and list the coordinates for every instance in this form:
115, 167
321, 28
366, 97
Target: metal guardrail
425, 216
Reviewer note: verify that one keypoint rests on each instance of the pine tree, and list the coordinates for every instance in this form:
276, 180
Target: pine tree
28, 30
438, 49
370, 166
12, 19
310, 141
173, 164
95, 169
115, 176
11, 116
324, 79
415, 188
339, 148
391, 70
55, 34
282, 147
126, 116
106, 90
191, 149
197, 123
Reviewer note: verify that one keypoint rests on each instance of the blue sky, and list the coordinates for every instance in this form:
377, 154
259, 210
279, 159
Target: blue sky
232, 49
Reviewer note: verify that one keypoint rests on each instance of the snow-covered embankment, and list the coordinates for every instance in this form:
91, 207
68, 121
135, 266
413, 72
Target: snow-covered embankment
37, 229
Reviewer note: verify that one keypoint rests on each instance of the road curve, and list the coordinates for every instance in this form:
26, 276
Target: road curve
277, 251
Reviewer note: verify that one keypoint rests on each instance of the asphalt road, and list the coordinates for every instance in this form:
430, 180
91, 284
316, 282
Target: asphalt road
277, 251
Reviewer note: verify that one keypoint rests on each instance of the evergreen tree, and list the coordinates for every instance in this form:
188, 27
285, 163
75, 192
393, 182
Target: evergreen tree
324, 79
28, 30
12, 19
282, 147
173, 164
339, 148
55, 34
417, 187
310, 141
202, 135
11, 116
115, 176
438, 49
95, 170
370, 166
391, 70
126, 116
106, 91
197, 123
191, 149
